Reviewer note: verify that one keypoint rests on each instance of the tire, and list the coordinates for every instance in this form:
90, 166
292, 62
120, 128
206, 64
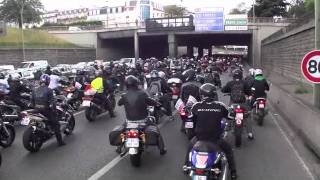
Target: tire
238, 136
157, 116
70, 127
91, 114
135, 159
31, 141
7, 140
260, 116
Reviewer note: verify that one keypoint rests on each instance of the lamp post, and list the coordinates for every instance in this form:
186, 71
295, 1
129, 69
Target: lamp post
22, 35
107, 14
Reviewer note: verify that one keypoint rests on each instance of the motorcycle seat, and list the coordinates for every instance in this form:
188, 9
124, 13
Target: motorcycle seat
206, 146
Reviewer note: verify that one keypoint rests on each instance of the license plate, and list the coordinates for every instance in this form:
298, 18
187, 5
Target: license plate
174, 96
69, 95
239, 116
86, 103
261, 106
132, 143
25, 121
189, 125
196, 177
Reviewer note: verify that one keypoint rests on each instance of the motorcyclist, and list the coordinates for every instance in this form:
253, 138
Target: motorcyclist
48, 70
43, 101
208, 116
239, 90
162, 87
54, 80
259, 86
136, 103
16, 89
4, 86
250, 77
190, 87
103, 87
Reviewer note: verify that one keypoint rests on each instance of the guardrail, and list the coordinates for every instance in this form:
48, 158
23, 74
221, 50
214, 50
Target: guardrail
270, 20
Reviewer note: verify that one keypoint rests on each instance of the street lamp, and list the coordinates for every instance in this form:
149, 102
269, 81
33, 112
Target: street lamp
22, 35
316, 87
253, 11
107, 14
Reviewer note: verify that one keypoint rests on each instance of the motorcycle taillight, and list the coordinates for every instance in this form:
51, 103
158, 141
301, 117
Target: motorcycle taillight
262, 102
239, 110
199, 171
132, 134
175, 91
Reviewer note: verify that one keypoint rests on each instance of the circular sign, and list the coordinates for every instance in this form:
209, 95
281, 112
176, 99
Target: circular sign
310, 66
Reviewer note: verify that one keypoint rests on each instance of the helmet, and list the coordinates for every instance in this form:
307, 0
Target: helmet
2, 76
258, 72
99, 73
15, 77
237, 74
154, 74
189, 75
56, 72
208, 91
107, 71
132, 82
162, 74
45, 78
251, 71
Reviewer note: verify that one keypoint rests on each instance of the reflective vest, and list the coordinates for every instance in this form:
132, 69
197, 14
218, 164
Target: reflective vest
97, 84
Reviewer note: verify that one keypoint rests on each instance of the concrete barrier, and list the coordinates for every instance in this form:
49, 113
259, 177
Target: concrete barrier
305, 120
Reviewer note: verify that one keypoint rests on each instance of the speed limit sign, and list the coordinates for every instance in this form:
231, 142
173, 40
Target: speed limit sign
310, 66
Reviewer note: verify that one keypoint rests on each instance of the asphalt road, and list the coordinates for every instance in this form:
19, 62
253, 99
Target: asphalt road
88, 155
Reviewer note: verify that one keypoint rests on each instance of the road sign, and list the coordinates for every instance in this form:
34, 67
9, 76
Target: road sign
236, 22
209, 19
310, 66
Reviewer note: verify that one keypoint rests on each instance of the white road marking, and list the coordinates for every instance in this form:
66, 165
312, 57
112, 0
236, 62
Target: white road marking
116, 160
303, 164
78, 113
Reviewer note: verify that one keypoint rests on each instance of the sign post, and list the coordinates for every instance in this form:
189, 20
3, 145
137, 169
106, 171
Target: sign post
316, 87
209, 19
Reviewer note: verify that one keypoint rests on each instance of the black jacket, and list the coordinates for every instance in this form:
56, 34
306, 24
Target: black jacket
135, 103
207, 117
260, 86
42, 98
190, 88
229, 86
16, 88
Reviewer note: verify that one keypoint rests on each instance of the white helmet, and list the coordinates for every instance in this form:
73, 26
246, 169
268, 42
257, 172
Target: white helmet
258, 72
162, 74
251, 71
15, 76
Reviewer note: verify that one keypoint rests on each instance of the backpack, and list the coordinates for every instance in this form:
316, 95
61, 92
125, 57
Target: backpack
155, 87
237, 92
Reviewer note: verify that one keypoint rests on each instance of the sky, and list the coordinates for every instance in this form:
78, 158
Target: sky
190, 4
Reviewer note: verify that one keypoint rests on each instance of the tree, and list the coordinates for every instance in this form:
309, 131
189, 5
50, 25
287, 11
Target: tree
174, 10
10, 11
241, 9
309, 4
301, 8
269, 8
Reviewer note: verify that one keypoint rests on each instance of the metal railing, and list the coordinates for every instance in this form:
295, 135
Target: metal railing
270, 20
184, 23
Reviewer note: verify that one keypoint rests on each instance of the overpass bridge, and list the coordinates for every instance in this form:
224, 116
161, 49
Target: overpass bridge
163, 39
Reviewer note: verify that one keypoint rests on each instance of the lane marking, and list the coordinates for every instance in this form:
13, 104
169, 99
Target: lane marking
303, 164
78, 113
117, 159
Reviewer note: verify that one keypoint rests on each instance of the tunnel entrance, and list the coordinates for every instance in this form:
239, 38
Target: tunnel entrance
115, 49
153, 46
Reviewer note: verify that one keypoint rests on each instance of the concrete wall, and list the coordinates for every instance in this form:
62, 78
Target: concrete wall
284, 54
115, 49
83, 39
54, 56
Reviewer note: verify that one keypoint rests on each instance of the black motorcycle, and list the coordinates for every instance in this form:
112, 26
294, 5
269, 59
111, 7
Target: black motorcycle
39, 131
7, 133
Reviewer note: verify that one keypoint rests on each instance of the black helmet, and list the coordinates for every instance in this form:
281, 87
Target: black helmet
189, 75
2, 76
107, 71
208, 91
237, 74
132, 82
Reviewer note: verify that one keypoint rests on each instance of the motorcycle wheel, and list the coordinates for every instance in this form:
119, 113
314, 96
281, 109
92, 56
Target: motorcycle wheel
6, 140
260, 116
31, 141
91, 114
136, 159
238, 136
70, 127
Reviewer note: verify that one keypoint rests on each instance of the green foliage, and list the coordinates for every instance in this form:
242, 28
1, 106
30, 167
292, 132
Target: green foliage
301, 9
269, 8
174, 10
309, 4
33, 39
10, 11
241, 9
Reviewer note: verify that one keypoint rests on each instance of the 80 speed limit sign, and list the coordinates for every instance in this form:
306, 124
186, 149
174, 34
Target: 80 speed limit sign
310, 66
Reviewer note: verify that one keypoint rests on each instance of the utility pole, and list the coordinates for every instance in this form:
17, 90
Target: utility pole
22, 35
107, 14
316, 87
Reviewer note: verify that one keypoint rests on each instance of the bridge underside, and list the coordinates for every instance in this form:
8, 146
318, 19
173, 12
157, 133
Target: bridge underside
146, 44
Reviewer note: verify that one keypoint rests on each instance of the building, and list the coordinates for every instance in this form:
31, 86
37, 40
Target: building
72, 16
50, 17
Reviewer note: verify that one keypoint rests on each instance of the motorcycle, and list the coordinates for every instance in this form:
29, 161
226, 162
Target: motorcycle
74, 95
259, 112
154, 111
175, 86
237, 114
93, 105
7, 133
207, 161
39, 131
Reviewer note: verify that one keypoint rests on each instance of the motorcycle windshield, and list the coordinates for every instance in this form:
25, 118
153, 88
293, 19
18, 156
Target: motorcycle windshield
203, 160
